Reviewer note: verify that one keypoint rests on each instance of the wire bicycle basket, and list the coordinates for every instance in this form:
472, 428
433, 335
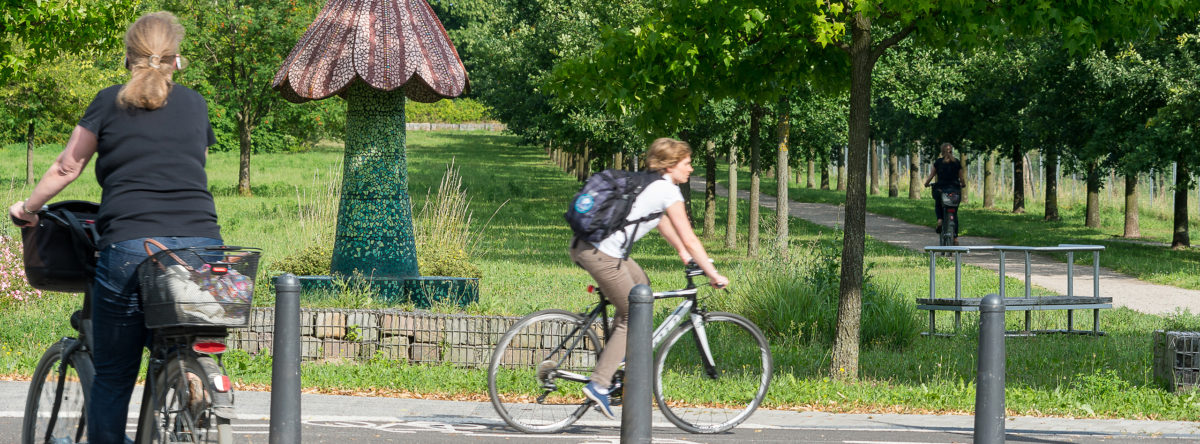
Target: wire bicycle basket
198, 286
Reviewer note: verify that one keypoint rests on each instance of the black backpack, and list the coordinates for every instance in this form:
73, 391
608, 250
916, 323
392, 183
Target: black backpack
601, 207
60, 251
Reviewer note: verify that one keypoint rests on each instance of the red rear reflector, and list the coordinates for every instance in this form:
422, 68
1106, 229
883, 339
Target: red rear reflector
220, 270
208, 348
591, 288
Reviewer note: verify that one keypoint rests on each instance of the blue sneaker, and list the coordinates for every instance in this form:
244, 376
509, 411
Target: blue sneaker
592, 391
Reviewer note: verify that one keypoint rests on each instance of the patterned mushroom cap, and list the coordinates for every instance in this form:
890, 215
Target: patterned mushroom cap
386, 43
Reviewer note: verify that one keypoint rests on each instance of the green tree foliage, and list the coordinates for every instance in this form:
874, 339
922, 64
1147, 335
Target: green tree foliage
235, 47
35, 31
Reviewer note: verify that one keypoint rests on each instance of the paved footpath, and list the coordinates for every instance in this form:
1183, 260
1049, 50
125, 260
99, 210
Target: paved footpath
365, 419
1047, 272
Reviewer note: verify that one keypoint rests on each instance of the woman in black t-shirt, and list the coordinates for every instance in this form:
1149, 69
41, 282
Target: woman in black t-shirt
151, 140
949, 171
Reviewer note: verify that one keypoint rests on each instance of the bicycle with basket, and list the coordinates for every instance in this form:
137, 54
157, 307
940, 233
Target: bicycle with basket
711, 369
191, 297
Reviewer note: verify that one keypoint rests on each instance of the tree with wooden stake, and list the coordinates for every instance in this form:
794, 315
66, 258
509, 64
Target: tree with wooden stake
374, 53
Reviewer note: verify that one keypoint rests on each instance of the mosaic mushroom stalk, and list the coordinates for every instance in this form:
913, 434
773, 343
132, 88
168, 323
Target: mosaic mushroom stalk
374, 225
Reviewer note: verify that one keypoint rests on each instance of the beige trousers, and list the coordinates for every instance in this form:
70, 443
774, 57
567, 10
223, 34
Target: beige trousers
615, 277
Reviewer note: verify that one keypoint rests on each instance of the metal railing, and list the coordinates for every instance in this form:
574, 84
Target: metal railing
1027, 252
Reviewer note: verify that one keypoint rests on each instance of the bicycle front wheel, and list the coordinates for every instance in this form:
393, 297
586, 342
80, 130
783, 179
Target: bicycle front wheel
182, 408
538, 370
703, 397
55, 409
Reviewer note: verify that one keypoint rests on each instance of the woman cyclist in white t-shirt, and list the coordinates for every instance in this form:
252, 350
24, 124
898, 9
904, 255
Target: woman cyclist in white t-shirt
616, 274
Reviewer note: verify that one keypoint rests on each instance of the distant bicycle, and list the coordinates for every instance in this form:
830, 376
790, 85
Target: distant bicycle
951, 197
187, 396
711, 371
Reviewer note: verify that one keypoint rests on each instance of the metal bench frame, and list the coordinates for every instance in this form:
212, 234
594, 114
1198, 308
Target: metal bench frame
1029, 303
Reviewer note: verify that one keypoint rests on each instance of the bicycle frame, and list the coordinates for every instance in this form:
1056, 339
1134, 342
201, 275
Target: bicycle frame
689, 307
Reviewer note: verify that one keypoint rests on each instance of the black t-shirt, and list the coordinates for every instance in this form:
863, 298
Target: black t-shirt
947, 172
150, 164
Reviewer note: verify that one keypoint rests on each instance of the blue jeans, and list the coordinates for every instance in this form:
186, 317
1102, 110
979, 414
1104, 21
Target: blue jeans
119, 333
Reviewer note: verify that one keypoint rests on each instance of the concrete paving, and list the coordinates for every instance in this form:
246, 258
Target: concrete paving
1047, 272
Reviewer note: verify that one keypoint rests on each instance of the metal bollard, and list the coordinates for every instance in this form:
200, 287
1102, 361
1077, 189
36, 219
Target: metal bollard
635, 409
285, 366
989, 382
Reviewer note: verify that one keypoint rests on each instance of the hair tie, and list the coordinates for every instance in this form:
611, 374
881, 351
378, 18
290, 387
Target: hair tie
154, 58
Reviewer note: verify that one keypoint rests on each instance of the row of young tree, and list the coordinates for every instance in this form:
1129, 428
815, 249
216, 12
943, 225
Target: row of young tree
1098, 86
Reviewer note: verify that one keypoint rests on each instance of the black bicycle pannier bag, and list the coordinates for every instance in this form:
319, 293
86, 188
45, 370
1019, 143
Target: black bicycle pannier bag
60, 251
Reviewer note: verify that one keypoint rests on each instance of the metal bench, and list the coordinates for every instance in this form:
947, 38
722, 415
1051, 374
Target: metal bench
1028, 303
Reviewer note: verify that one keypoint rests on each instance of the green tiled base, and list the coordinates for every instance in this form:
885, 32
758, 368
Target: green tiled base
423, 290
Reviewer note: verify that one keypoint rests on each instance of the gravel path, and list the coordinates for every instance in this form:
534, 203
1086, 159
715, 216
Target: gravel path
1047, 272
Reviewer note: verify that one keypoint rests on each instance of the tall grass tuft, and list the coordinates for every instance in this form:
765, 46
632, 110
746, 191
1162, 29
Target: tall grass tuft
795, 299
445, 242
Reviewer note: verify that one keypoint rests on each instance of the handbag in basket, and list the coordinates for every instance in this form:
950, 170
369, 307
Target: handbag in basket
198, 294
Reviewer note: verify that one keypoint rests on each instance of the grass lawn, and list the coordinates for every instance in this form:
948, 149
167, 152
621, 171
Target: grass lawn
1152, 263
522, 253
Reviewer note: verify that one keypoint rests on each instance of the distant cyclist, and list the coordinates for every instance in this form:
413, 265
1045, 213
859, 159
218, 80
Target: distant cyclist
949, 172
609, 264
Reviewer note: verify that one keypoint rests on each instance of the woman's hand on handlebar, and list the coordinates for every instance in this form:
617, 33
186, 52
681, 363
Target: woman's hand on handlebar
718, 281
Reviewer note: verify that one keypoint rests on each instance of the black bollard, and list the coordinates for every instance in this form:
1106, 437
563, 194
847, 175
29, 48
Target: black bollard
635, 409
285, 366
989, 382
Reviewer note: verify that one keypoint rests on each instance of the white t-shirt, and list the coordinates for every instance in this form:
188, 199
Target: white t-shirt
657, 196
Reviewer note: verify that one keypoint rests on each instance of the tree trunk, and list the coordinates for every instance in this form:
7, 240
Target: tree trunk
756, 114
731, 218
914, 174
1018, 162
1183, 182
29, 173
619, 160
893, 175
1051, 174
841, 174
989, 181
1132, 228
824, 175
244, 145
1092, 219
966, 186
873, 160
844, 360
812, 169
781, 181
710, 190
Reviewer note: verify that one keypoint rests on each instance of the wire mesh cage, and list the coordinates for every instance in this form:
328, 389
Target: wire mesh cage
1177, 360
201, 286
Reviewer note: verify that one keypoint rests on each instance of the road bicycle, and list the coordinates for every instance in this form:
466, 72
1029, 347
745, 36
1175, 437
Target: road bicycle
187, 395
711, 369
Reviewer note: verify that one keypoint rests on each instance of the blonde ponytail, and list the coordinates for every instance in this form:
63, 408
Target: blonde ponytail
152, 55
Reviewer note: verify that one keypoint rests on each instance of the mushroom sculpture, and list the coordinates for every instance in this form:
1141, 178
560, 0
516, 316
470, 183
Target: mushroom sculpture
374, 53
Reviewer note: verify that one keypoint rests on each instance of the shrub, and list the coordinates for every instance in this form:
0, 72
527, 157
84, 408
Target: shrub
796, 299
447, 111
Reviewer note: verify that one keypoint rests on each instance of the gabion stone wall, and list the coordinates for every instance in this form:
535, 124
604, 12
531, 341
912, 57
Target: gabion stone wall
1176, 356
339, 334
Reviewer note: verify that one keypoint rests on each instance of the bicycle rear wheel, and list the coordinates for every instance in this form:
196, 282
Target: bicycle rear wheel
54, 414
182, 409
703, 399
538, 370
